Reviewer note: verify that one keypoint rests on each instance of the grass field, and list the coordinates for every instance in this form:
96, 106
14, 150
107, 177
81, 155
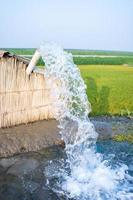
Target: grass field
123, 60
30, 51
21, 51
120, 58
109, 89
99, 52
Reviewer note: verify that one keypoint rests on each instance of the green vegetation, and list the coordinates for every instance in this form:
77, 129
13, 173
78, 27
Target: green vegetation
123, 138
109, 89
99, 52
30, 51
99, 61
20, 51
119, 59
104, 60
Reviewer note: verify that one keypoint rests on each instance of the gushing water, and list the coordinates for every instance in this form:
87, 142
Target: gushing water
84, 174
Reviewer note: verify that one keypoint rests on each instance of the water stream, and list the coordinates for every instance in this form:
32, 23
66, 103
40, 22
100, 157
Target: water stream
84, 174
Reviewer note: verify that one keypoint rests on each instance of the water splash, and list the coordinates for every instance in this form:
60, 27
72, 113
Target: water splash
84, 175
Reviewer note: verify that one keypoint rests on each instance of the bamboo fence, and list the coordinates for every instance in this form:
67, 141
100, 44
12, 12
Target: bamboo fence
23, 98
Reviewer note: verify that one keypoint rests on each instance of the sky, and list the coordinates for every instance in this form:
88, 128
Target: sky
75, 24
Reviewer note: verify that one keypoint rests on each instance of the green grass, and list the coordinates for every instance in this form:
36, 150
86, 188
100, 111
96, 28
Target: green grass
109, 89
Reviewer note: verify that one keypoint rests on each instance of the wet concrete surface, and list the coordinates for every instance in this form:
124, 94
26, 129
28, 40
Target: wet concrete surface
23, 176
42, 134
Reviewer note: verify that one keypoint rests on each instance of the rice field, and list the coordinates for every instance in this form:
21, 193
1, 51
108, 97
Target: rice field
123, 60
109, 89
30, 51
101, 57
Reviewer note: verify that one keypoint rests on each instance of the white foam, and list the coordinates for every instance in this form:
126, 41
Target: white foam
90, 176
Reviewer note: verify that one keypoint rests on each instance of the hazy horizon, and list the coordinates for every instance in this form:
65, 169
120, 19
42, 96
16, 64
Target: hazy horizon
75, 24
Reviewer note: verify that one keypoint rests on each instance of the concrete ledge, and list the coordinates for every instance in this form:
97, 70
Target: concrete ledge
30, 137
43, 134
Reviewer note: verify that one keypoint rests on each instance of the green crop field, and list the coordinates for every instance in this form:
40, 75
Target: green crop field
30, 51
102, 57
123, 60
99, 52
109, 89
